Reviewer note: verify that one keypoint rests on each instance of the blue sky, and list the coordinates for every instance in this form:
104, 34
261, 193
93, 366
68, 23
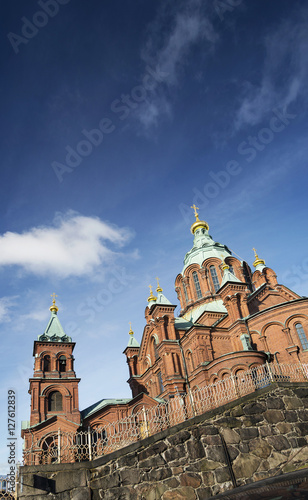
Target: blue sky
116, 118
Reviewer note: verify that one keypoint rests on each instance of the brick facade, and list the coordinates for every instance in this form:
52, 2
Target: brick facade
231, 320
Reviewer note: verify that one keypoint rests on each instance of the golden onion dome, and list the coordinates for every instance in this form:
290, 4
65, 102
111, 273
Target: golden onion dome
257, 259
198, 223
54, 308
151, 298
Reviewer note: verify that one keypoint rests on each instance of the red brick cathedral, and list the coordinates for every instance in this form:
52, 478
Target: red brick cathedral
231, 320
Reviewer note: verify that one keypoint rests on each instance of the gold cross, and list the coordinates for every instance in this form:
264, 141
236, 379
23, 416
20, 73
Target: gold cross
255, 251
157, 279
150, 287
195, 209
53, 295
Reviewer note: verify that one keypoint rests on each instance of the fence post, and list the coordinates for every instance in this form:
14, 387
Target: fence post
89, 443
237, 393
302, 369
192, 401
145, 422
17, 480
59, 446
270, 372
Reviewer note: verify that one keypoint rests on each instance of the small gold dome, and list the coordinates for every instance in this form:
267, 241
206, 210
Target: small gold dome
198, 223
151, 298
257, 259
159, 288
54, 308
224, 264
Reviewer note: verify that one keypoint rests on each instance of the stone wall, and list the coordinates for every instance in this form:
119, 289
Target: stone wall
255, 437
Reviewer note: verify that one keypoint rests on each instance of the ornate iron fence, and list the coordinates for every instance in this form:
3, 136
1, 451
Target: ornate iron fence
89, 444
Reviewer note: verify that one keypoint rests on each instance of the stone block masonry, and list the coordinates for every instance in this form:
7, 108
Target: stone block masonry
256, 437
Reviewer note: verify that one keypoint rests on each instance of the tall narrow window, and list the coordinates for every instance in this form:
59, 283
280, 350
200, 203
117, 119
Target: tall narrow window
197, 285
160, 382
135, 364
302, 336
46, 363
190, 361
62, 364
214, 278
185, 291
154, 347
231, 269
55, 401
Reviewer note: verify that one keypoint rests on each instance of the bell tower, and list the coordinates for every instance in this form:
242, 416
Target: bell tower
53, 387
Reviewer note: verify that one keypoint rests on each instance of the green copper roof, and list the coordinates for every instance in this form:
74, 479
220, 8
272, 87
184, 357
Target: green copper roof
162, 299
101, 404
214, 306
133, 342
204, 248
182, 324
54, 331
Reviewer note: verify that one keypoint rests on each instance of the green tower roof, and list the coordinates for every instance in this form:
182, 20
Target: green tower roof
54, 331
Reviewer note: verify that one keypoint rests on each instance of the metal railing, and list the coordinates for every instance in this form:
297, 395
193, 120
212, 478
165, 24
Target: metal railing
5, 491
66, 447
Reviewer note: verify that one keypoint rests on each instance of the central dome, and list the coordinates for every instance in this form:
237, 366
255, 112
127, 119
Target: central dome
204, 245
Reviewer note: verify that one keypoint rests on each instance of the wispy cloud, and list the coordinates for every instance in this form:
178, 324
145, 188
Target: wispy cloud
74, 245
285, 72
168, 49
5, 305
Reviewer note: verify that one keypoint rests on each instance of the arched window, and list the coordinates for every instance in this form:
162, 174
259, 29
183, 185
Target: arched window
214, 278
62, 364
160, 382
135, 364
185, 291
46, 363
55, 401
302, 336
190, 361
154, 348
197, 285
231, 269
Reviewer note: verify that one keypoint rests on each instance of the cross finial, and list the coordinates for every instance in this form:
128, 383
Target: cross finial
159, 288
255, 251
195, 210
54, 308
130, 329
151, 297
53, 295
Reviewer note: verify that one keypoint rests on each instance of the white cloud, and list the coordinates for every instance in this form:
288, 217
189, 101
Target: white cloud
74, 245
5, 304
285, 73
170, 53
